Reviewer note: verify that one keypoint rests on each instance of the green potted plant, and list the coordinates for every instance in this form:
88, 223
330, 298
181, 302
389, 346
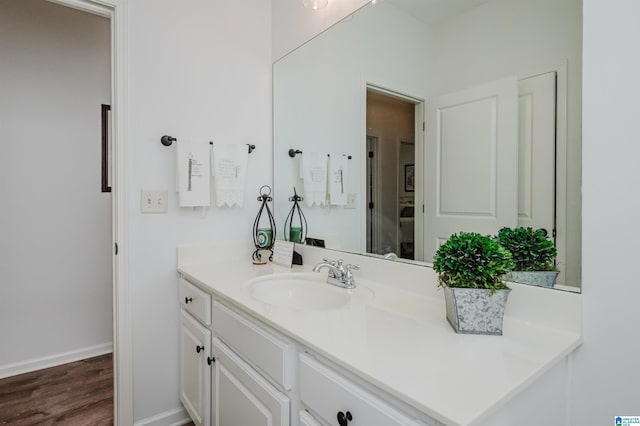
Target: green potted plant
533, 255
470, 269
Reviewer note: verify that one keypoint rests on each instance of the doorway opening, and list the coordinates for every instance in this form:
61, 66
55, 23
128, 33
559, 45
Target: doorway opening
72, 214
394, 168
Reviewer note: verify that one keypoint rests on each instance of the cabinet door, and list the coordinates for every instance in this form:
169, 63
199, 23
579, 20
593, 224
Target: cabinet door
195, 378
240, 396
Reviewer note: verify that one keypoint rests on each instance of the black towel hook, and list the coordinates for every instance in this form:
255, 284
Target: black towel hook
167, 140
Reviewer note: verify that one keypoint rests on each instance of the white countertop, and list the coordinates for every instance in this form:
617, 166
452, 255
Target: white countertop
401, 342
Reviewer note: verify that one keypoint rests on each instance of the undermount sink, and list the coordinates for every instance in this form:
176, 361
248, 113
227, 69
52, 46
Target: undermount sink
303, 291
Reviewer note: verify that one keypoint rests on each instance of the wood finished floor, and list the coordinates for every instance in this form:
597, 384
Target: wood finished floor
79, 393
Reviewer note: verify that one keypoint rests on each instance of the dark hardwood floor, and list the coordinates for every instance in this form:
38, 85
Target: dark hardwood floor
79, 393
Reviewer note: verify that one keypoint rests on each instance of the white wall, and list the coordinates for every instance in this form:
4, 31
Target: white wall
335, 68
55, 223
199, 70
606, 373
503, 38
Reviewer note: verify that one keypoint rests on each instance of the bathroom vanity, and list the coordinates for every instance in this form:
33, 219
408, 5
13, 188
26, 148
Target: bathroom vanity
264, 344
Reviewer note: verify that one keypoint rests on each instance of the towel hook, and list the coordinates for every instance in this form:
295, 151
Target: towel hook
167, 140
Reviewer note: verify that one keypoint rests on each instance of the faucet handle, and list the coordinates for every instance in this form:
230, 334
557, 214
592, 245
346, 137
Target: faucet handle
348, 275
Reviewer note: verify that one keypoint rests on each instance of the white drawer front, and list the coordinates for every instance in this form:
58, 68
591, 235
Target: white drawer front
327, 393
195, 301
272, 355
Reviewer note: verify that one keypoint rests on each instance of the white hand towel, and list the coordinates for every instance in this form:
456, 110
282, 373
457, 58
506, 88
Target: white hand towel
229, 168
315, 178
193, 173
338, 166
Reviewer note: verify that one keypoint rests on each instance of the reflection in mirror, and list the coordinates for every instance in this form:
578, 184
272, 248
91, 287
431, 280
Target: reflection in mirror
390, 173
455, 119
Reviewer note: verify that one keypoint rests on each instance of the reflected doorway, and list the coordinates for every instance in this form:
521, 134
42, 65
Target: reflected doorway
394, 139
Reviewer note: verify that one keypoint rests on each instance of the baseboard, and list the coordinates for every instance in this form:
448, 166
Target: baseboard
176, 417
54, 360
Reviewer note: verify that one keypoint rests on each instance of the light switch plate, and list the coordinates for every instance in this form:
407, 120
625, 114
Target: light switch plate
351, 200
152, 201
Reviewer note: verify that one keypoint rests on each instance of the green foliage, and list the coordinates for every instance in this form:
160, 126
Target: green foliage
531, 250
472, 260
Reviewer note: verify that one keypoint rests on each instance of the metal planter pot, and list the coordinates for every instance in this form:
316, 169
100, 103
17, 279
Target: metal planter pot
474, 311
539, 278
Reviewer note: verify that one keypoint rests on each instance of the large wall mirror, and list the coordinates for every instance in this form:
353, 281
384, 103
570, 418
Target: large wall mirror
434, 117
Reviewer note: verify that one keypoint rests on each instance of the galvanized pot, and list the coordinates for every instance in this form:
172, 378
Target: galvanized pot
475, 311
539, 278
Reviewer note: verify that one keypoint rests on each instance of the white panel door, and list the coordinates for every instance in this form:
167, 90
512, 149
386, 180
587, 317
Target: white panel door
195, 379
241, 396
471, 162
536, 153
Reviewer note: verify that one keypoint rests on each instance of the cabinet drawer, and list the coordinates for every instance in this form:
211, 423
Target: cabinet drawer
195, 301
327, 393
274, 356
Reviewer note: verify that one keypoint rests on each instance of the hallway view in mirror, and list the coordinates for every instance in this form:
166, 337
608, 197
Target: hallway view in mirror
390, 173
494, 140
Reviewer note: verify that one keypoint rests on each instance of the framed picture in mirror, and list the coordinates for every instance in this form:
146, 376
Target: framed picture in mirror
409, 178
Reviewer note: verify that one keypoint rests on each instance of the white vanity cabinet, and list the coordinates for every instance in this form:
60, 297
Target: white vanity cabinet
195, 353
237, 370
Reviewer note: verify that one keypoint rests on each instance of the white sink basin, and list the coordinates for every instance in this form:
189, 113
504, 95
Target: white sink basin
303, 291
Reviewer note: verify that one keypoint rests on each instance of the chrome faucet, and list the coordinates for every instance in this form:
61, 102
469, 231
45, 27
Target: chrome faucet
340, 275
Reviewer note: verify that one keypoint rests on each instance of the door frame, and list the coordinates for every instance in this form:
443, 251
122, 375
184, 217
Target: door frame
373, 217
116, 11
561, 70
419, 102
